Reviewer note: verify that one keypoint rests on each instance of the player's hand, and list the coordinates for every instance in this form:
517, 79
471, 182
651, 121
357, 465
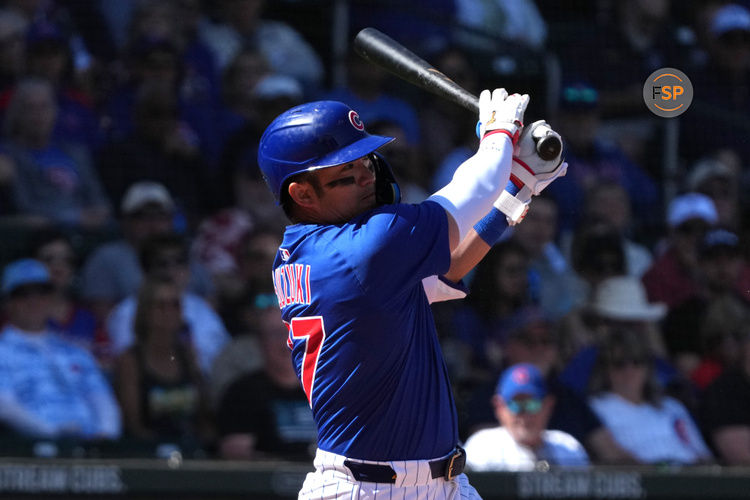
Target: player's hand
525, 150
530, 174
501, 113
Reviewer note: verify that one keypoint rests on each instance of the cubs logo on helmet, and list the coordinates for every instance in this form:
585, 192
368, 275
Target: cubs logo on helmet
356, 120
314, 135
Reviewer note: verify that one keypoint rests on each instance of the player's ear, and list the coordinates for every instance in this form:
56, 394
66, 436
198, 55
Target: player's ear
302, 193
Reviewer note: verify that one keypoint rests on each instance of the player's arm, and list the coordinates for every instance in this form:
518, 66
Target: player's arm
466, 256
530, 175
537, 174
478, 181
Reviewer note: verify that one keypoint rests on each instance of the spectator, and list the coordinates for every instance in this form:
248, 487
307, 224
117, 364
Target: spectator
452, 130
627, 44
596, 159
166, 255
523, 405
247, 69
424, 25
160, 148
239, 255
722, 332
159, 384
69, 317
725, 414
218, 246
241, 185
53, 181
597, 252
719, 273
12, 29
112, 271
49, 56
721, 96
625, 394
515, 22
479, 325
367, 90
533, 340
558, 288
163, 47
242, 354
177, 21
719, 180
240, 23
671, 277
246, 295
608, 203
265, 413
49, 388
617, 302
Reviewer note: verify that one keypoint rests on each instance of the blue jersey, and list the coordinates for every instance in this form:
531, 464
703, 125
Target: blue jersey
362, 335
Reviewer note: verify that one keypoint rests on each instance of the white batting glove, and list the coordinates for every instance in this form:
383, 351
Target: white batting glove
530, 172
501, 113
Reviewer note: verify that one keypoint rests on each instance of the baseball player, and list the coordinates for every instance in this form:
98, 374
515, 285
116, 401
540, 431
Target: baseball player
354, 277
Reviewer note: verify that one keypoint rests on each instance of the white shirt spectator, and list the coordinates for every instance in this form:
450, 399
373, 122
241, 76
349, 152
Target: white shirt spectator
495, 449
207, 331
652, 434
52, 388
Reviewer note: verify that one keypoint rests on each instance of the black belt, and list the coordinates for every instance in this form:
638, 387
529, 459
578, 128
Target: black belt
448, 468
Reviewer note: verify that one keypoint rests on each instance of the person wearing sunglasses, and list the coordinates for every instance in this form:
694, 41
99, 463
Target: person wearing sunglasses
162, 392
627, 397
166, 256
49, 387
522, 406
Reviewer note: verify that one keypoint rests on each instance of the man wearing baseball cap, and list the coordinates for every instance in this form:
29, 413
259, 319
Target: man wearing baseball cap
71, 397
671, 278
112, 271
523, 407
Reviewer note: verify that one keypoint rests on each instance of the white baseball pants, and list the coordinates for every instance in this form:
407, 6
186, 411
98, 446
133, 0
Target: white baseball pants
333, 480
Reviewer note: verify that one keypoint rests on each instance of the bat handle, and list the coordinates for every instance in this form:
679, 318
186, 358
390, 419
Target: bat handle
548, 147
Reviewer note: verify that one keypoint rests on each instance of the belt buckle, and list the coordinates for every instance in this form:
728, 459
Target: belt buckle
455, 464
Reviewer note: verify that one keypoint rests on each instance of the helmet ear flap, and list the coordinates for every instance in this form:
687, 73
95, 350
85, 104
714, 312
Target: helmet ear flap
386, 187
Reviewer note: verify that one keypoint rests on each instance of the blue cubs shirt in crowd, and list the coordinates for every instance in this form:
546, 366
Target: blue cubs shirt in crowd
363, 338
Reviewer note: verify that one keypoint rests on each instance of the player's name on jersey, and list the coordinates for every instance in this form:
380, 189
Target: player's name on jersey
292, 284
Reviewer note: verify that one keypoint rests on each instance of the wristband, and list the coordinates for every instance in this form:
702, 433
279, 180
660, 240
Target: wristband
513, 135
492, 226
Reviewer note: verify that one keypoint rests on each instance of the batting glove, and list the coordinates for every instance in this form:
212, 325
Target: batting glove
529, 174
501, 113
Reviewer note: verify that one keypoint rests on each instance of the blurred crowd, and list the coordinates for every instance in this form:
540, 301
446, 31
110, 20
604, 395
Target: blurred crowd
612, 326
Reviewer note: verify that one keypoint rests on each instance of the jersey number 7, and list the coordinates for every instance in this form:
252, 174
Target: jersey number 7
310, 329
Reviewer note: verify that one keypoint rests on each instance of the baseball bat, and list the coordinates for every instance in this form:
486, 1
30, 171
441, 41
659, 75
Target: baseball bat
381, 50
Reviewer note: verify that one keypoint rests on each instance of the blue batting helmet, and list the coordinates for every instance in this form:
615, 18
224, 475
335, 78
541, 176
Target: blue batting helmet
310, 136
